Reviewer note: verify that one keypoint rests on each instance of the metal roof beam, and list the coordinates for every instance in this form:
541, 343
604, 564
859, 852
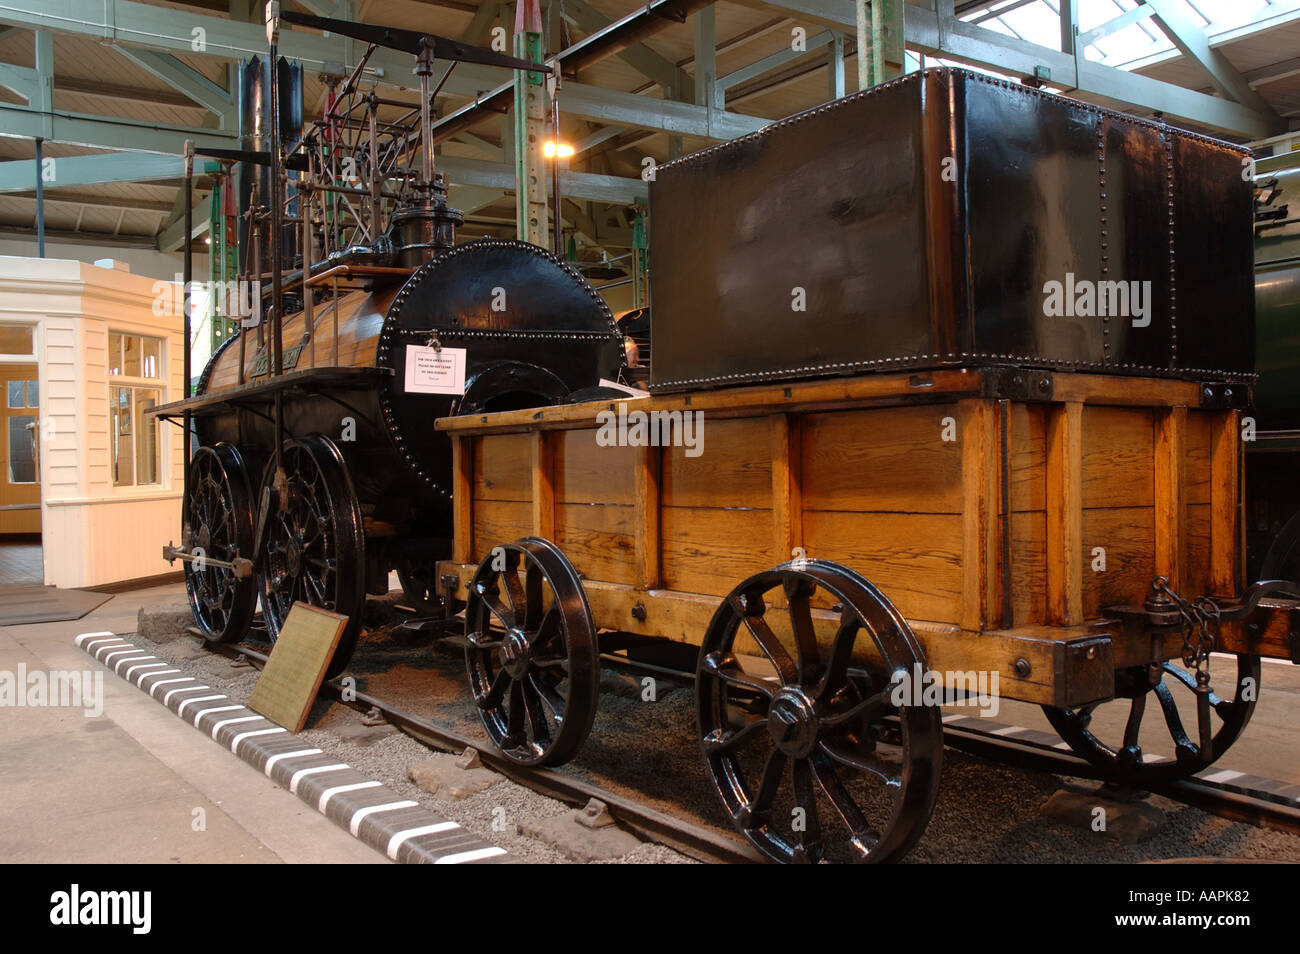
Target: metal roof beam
926, 32
172, 238
639, 56
141, 25
614, 190
105, 132
19, 175
185, 80
1195, 45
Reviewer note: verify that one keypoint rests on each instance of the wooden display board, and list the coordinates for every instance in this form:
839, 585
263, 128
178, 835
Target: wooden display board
296, 667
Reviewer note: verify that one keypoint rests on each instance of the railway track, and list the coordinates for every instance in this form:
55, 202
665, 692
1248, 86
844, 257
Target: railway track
1223, 793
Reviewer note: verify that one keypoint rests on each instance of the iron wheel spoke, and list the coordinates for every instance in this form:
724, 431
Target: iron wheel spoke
861, 835
891, 773
771, 646
727, 670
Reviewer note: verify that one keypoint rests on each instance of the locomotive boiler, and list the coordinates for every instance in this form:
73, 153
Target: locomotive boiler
317, 469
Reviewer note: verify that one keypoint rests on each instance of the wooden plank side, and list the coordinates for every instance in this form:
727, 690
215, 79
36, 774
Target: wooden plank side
979, 479
1029, 567
731, 468
503, 467
1028, 457
648, 560
462, 498
914, 559
586, 472
882, 460
1196, 447
1065, 514
1196, 572
1118, 447
787, 486
543, 474
1127, 537
499, 521
1226, 544
599, 540
1170, 508
711, 549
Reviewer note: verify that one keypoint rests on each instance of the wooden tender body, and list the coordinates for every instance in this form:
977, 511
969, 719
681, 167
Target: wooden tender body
1001, 529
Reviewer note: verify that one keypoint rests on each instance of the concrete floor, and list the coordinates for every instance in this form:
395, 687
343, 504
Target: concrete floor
125, 787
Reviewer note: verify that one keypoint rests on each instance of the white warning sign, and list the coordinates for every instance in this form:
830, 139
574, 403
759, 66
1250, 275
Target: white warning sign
435, 370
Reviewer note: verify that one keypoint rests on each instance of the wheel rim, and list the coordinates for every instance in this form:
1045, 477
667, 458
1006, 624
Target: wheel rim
818, 734
1126, 761
314, 547
219, 521
532, 658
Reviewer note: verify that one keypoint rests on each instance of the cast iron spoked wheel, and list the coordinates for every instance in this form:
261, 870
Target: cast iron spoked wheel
1126, 762
314, 549
419, 581
793, 709
219, 518
533, 661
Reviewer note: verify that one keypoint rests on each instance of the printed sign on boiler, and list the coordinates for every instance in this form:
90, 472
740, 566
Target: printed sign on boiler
435, 370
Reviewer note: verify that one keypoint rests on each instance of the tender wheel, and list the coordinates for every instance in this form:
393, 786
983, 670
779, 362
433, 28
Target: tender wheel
533, 661
314, 548
219, 521
419, 581
1127, 762
793, 711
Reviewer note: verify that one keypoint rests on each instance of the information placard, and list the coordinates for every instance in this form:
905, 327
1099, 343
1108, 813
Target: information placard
435, 370
296, 667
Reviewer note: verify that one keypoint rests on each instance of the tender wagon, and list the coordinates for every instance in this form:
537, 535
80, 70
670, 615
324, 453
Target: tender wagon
933, 478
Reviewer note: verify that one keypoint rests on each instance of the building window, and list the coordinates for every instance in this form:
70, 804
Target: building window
22, 431
17, 340
135, 386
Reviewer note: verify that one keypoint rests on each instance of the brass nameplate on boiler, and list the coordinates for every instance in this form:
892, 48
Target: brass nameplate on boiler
288, 361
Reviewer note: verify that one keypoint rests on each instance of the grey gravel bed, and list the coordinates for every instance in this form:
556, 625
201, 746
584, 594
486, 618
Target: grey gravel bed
986, 813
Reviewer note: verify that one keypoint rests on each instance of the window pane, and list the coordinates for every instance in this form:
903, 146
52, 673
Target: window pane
123, 458
33, 394
114, 354
150, 364
146, 438
131, 355
16, 396
22, 449
16, 339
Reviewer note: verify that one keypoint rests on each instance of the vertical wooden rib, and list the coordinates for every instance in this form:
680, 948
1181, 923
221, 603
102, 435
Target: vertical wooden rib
462, 504
646, 509
1171, 505
787, 494
1065, 514
1225, 503
543, 461
979, 453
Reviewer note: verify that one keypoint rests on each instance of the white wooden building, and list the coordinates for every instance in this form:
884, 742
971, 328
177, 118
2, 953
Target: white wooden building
107, 345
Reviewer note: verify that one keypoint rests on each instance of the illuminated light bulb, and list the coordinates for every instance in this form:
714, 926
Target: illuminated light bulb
550, 149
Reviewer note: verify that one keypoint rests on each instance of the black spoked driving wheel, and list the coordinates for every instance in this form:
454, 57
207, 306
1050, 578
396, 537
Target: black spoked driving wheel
315, 546
219, 523
533, 662
803, 742
1124, 759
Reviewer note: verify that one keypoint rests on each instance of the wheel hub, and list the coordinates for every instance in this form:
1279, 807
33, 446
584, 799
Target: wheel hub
514, 653
792, 722
293, 557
